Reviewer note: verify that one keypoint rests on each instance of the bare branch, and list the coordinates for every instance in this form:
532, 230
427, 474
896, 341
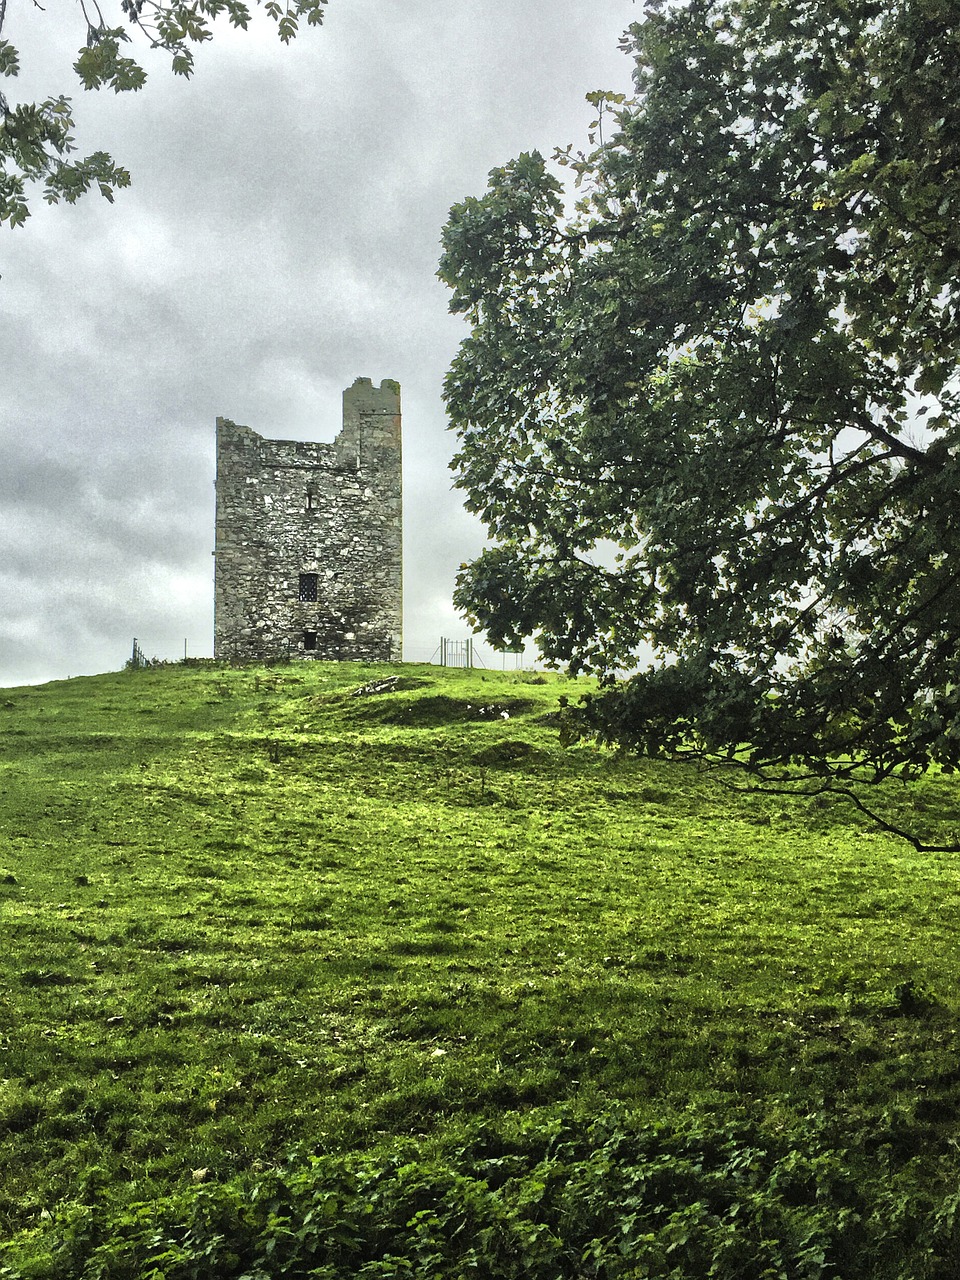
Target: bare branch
800, 791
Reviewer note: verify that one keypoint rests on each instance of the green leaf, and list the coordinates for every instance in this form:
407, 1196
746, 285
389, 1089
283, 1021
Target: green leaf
9, 59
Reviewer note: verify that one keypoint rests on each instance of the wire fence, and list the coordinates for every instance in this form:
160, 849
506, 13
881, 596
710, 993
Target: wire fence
449, 652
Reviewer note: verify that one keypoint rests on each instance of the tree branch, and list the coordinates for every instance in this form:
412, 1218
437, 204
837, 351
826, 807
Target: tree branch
831, 789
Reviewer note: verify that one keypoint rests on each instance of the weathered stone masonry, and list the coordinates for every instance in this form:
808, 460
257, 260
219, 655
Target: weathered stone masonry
308, 538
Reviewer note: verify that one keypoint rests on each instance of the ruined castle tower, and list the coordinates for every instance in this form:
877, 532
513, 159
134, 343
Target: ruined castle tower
308, 539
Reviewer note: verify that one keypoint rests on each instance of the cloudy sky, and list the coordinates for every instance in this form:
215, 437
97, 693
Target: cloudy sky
280, 239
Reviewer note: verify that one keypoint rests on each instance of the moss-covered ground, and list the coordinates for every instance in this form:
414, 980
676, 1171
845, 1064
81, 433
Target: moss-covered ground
254, 920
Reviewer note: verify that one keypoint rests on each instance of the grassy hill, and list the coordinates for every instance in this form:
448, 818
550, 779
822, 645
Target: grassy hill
303, 977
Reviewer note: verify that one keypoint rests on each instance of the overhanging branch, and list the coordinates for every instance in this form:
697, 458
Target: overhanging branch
800, 791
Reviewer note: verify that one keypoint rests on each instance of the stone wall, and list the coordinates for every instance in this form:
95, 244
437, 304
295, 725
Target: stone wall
308, 538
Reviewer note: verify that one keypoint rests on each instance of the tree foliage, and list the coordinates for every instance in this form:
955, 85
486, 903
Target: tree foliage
714, 408
37, 143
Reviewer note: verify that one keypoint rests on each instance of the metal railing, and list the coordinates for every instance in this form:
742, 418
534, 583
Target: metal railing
456, 653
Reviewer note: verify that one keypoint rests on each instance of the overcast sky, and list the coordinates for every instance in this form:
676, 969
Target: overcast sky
280, 239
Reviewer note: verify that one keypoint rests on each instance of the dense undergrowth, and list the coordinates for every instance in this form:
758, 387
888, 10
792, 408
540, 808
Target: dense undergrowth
301, 982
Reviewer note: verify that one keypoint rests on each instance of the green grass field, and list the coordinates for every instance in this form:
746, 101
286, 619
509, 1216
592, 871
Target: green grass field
301, 982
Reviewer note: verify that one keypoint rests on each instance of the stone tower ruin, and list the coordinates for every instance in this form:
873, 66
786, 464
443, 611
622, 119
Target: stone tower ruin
308, 538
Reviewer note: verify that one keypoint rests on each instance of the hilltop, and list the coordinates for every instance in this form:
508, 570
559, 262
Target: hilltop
340, 970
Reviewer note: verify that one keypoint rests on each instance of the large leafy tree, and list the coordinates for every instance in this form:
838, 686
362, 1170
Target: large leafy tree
714, 408
37, 142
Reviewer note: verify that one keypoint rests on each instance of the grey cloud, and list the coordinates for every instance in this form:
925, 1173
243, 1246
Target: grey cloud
280, 239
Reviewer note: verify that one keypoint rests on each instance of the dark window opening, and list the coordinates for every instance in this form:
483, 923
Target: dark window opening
308, 586
311, 500
309, 640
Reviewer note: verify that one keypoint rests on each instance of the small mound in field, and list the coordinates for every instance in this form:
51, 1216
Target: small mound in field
503, 752
427, 712
438, 709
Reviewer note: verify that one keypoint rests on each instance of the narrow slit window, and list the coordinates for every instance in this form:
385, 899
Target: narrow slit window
308, 586
310, 640
311, 500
